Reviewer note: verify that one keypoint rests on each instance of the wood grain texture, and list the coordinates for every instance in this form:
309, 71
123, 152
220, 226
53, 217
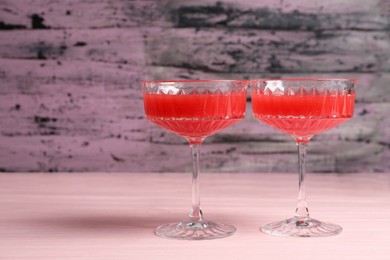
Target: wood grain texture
250, 51
70, 74
74, 14
113, 216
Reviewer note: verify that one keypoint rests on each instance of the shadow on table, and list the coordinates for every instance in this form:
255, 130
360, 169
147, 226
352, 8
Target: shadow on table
98, 223
104, 223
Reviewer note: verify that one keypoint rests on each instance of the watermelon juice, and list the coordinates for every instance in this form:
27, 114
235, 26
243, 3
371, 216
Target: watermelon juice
302, 115
195, 115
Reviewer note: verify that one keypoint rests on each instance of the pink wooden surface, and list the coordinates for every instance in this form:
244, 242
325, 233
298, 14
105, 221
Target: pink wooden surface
113, 216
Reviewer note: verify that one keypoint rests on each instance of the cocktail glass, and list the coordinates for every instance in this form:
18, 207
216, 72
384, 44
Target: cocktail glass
302, 108
195, 109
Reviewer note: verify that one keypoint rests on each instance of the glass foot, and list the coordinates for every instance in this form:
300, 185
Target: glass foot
294, 227
202, 230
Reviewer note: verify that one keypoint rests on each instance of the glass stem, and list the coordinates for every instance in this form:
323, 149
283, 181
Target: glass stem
302, 211
196, 212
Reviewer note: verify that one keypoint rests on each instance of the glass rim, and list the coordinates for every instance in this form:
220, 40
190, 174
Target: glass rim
354, 80
194, 80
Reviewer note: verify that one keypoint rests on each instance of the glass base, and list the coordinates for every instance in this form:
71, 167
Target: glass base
294, 227
203, 230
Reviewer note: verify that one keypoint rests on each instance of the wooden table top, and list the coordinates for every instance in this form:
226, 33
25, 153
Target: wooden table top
113, 216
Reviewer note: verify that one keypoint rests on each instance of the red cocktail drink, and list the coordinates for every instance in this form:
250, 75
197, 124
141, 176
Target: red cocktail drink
195, 115
302, 108
195, 109
303, 114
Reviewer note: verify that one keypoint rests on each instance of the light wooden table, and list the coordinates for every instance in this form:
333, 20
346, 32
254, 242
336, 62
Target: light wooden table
113, 216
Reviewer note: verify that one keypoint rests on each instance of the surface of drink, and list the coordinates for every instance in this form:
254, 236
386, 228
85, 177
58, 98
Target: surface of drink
195, 114
303, 114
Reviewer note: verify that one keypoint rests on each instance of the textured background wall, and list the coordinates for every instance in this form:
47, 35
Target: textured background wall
70, 73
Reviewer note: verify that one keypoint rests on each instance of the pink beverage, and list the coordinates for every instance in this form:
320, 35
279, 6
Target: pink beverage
303, 114
195, 109
195, 115
302, 108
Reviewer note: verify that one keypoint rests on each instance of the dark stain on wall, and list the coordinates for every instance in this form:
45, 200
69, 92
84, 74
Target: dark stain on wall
230, 15
80, 44
8, 26
43, 50
37, 22
46, 125
234, 16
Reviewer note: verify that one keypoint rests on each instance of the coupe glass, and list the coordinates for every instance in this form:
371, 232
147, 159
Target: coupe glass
302, 108
195, 109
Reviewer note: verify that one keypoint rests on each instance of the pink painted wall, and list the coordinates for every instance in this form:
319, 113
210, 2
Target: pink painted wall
70, 73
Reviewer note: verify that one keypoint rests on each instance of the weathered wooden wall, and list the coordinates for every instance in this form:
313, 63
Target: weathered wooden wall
70, 73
